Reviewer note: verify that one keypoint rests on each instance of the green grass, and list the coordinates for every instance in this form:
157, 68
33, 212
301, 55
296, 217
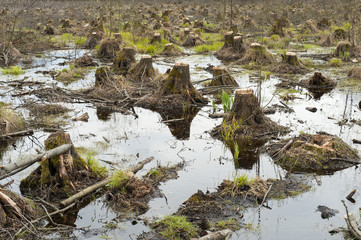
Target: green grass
227, 101
335, 62
118, 178
176, 227
67, 38
14, 70
241, 180
142, 44
231, 224
206, 48
95, 166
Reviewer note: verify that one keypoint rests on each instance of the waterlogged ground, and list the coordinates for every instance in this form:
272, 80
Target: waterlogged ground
208, 161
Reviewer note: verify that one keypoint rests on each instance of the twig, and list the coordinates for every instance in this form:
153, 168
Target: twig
265, 196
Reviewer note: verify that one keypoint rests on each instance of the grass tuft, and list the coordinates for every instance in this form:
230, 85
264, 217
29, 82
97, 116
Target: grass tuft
14, 70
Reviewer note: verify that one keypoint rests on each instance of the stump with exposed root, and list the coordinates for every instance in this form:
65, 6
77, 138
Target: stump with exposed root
289, 64
92, 40
156, 38
233, 47
246, 120
144, 69
124, 60
177, 91
170, 50
192, 40
108, 48
222, 77
257, 54
59, 176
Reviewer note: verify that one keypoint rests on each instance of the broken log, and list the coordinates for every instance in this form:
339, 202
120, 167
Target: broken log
101, 184
352, 225
350, 195
219, 235
16, 134
8, 202
24, 164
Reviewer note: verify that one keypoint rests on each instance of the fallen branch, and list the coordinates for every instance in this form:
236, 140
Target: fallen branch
16, 134
101, 184
219, 235
8, 202
6, 171
45, 216
351, 223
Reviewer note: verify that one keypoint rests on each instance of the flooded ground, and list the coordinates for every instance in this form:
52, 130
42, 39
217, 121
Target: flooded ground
208, 161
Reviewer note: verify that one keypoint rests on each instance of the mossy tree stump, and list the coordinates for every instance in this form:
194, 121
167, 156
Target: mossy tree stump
343, 49
291, 59
92, 40
245, 108
144, 69
192, 40
59, 176
238, 43
156, 38
171, 50
124, 60
108, 48
246, 122
233, 47
228, 39
258, 54
221, 76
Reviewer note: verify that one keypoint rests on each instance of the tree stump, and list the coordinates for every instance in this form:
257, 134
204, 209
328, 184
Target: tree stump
198, 24
179, 82
171, 50
238, 43
289, 64
108, 48
185, 34
192, 40
123, 60
257, 54
9, 54
246, 108
59, 176
228, 39
246, 122
49, 30
233, 47
92, 40
156, 38
118, 36
144, 69
343, 49
186, 21
84, 61
222, 77
291, 58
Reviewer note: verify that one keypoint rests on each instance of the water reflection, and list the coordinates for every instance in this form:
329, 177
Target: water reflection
179, 122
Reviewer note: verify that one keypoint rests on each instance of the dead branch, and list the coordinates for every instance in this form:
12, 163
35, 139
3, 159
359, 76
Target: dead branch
16, 134
6, 171
103, 183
